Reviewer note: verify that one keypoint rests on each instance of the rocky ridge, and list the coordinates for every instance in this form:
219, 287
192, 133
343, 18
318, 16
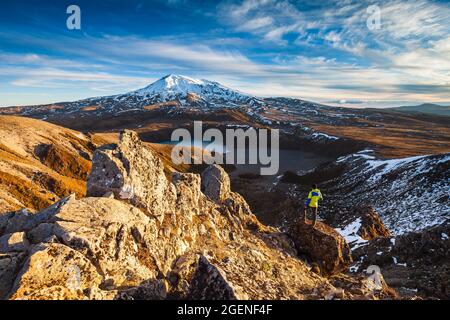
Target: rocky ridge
141, 235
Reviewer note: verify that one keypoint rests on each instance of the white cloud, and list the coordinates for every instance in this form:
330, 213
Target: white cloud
407, 56
255, 24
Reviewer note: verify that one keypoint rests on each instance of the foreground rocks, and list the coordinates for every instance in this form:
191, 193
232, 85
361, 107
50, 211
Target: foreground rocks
142, 235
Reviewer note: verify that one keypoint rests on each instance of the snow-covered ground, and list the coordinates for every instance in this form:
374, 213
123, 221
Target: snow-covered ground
409, 194
350, 234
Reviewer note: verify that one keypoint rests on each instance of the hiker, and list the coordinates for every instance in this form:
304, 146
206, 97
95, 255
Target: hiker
312, 203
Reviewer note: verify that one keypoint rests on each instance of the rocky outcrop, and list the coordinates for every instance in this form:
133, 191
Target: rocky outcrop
371, 224
357, 225
141, 235
132, 173
323, 245
367, 223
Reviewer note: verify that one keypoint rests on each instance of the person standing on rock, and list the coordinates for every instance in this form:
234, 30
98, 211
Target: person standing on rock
312, 203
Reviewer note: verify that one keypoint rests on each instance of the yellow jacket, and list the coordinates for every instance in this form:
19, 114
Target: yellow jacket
313, 198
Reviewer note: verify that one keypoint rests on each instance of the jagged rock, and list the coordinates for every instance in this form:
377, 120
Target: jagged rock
210, 283
324, 245
188, 193
371, 224
132, 172
14, 242
216, 183
181, 274
9, 265
55, 271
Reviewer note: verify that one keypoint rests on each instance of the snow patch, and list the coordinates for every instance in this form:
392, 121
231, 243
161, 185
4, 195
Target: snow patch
323, 135
350, 234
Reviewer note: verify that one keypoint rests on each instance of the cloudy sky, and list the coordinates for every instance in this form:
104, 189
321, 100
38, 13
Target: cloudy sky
317, 50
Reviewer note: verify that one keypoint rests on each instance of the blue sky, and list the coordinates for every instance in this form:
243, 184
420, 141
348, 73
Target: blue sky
316, 50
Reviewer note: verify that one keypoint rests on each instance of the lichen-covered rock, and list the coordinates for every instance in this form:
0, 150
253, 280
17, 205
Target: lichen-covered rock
55, 271
323, 245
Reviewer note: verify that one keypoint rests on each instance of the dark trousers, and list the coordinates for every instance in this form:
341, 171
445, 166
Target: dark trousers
314, 212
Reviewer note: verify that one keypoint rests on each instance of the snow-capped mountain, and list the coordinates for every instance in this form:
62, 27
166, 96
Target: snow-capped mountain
171, 91
180, 88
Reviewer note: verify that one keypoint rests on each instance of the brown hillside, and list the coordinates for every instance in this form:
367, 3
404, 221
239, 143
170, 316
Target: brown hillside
40, 163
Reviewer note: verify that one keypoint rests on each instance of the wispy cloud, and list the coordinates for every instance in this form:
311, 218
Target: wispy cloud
322, 52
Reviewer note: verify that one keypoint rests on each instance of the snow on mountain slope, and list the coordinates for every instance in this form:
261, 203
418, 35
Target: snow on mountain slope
173, 87
409, 194
177, 90
171, 91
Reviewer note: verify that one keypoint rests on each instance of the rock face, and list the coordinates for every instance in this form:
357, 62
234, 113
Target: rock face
134, 173
323, 245
371, 224
141, 235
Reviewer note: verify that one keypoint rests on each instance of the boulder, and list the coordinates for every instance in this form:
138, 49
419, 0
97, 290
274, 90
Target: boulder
14, 242
210, 283
323, 245
216, 183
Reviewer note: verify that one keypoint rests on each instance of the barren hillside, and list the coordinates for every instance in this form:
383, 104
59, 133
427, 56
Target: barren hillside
41, 162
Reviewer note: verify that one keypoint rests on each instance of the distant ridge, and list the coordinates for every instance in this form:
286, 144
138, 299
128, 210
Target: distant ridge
428, 108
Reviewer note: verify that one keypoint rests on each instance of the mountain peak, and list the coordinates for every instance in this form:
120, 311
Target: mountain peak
177, 87
175, 80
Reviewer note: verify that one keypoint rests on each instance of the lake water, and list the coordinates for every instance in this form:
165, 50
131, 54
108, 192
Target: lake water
289, 160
